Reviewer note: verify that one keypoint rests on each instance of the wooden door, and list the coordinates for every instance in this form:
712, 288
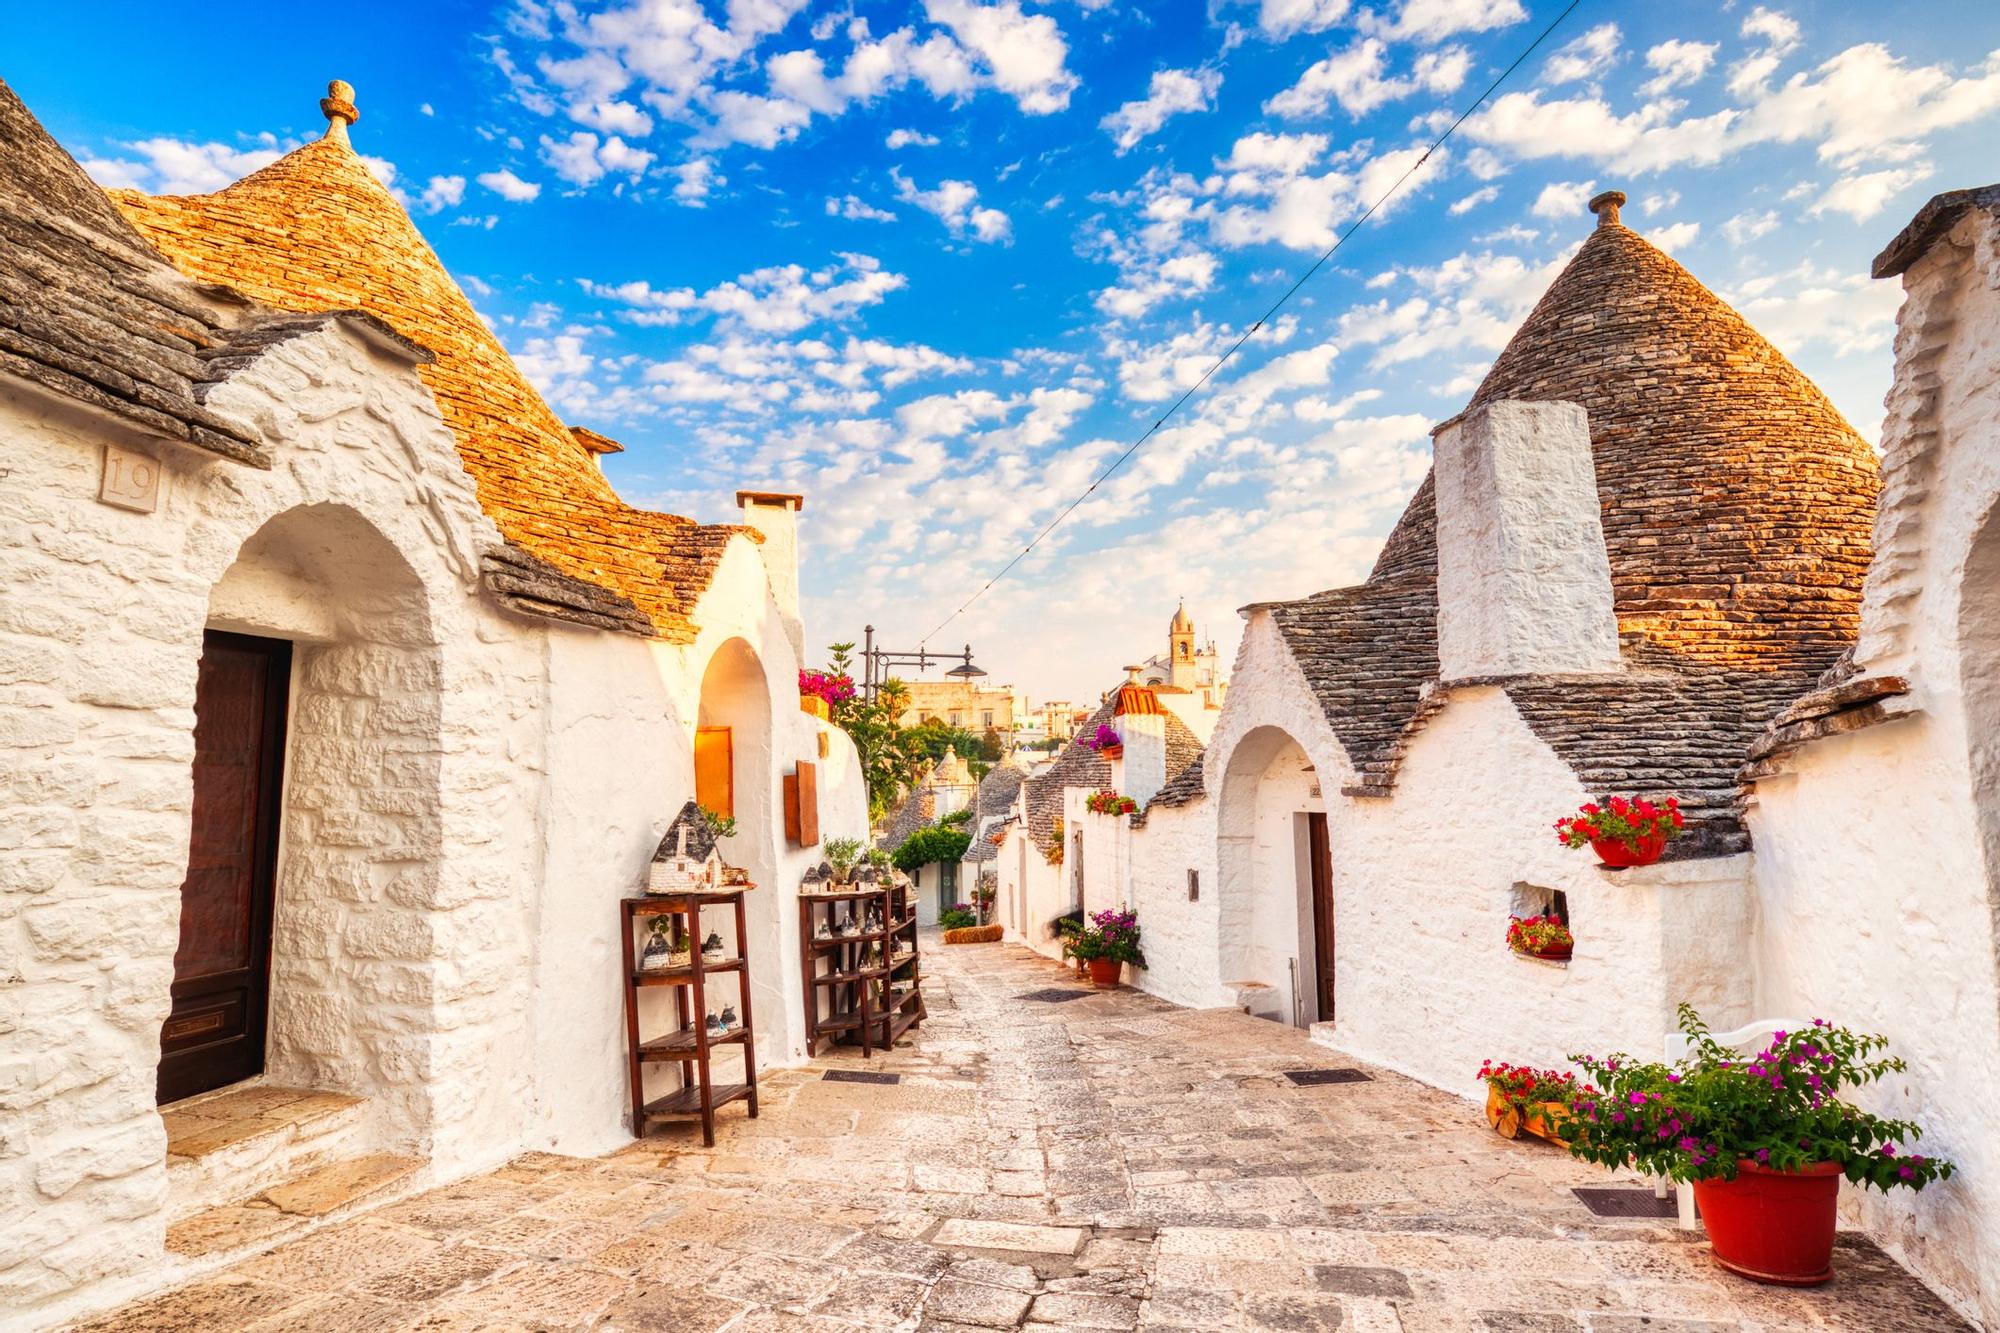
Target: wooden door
1321, 851
714, 770
214, 1033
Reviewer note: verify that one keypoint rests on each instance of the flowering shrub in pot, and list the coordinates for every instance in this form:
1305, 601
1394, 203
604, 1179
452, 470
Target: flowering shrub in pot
1623, 832
1539, 936
1762, 1140
1110, 941
1519, 1097
1108, 743
958, 915
819, 691
1107, 802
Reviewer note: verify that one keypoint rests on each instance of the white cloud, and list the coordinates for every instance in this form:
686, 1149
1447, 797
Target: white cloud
1486, 194
1746, 227
1804, 307
1282, 18
613, 117
780, 299
1677, 62
694, 179
509, 186
910, 139
1864, 195
443, 192
1024, 54
956, 204
176, 166
1434, 20
1585, 57
1172, 92
1356, 78
1675, 237
855, 208
1562, 199
761, 122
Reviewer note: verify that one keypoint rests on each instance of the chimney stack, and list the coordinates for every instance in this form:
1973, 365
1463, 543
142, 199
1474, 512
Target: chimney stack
776, 515
1524, 583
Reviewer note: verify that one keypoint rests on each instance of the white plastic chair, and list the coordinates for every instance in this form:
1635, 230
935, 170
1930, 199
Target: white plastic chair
1679, 1045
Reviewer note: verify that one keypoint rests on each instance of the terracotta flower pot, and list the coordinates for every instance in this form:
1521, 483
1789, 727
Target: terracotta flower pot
1773, 1226
1539, 1118
1104, 972
1614, 852
1111, 752
818, 707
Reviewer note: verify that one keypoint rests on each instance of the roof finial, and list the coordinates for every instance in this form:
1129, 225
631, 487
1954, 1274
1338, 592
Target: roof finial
338, 108
1606, 207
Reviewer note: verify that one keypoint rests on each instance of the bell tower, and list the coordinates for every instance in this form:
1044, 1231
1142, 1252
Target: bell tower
1181, 670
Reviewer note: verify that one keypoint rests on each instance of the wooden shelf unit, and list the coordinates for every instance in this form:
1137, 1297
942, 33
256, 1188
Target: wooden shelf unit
847, 1002
689, 1044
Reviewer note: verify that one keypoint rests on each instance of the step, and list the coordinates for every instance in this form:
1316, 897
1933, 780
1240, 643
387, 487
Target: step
290, 1206
235, 1143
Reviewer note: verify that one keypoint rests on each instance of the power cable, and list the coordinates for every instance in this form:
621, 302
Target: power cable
1251, 332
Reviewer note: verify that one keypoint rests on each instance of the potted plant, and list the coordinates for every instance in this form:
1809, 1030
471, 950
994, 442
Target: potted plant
819, 691
1108, 802
1623, 832
842, 855
1540, 937
958, 916
1763, 1140
1519, 1097
1110, 941
1108, 743
721, 825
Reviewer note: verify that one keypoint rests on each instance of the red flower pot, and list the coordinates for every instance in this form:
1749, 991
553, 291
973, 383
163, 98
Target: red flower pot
1773, 1226
1557, 953
1614, 852
1104, 972
1111, 752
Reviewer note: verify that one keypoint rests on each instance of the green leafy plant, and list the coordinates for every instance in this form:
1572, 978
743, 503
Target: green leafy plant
721, 825
931, 844
878, 858
958, 916
957, 818
1698, 1118
843, 854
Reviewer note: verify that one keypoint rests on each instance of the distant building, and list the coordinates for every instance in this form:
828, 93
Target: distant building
960, 703
1185, 665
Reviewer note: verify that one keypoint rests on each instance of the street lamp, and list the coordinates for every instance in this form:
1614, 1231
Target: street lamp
875, 663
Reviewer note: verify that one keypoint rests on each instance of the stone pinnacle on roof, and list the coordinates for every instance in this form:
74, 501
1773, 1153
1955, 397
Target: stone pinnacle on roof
338, 108
1606, 207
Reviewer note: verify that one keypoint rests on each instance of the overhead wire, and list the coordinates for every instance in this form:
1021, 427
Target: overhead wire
1263, 319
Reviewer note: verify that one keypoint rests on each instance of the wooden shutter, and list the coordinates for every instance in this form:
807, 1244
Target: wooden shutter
714, 771
802, 805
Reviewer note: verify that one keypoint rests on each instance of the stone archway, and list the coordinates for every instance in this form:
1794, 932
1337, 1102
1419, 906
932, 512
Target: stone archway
736, 700
354, 994
1268, 798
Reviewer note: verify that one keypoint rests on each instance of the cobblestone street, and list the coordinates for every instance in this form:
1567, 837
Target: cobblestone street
1105, 1162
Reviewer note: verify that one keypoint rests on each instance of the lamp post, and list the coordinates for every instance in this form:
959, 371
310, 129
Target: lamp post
875, 663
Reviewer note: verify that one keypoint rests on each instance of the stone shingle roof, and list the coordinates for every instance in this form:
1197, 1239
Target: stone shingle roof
1737, 506
90, 311
992, 804
1077, 766
918, 810
316, 231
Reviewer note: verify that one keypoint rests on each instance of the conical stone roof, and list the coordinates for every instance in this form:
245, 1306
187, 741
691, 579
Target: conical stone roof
1738, 504
316, 231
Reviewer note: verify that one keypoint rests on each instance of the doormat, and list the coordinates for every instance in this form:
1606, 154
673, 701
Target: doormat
1626, 1202
859, 1076
1053, 995
1313, 1078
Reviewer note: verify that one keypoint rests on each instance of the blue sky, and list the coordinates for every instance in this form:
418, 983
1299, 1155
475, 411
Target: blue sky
935, 263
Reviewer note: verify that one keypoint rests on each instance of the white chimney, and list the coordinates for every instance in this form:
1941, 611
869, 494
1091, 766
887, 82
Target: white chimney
776, 515
1524, 584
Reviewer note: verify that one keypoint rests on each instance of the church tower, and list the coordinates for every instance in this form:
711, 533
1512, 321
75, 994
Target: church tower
1182, 670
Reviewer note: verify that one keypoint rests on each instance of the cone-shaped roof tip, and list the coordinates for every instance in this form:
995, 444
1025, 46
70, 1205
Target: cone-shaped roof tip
338, 108
1606, 207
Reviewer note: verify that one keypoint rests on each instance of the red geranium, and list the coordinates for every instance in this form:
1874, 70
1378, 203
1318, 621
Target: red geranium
1631, 822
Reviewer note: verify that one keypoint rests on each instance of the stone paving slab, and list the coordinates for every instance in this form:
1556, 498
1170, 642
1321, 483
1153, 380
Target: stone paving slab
1109, 1164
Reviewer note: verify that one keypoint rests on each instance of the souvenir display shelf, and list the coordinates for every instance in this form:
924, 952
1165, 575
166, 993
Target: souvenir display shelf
691, 1043
862, 988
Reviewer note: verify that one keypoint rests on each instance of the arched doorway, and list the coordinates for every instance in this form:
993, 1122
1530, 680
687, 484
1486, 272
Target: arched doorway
314, 855
1275, 871
734, 776
1979, 680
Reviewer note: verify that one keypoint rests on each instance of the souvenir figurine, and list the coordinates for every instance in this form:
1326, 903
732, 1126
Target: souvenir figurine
686, 860
711, 948
656, 956
729, 1018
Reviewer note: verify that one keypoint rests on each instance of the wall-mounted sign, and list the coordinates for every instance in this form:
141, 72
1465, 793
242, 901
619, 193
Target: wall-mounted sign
131, 480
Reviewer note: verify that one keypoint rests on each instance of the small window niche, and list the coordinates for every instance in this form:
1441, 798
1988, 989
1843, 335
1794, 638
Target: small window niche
1534, 900
1194, 886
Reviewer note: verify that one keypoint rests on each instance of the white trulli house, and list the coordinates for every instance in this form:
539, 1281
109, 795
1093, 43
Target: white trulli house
342, 699
1638, 566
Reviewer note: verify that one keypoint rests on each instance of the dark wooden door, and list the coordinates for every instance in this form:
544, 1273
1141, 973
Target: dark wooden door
1322, 887
214, 1034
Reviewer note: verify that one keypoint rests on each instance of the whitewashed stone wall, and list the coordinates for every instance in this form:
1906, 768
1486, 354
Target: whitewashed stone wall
467, 796
1877, 854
